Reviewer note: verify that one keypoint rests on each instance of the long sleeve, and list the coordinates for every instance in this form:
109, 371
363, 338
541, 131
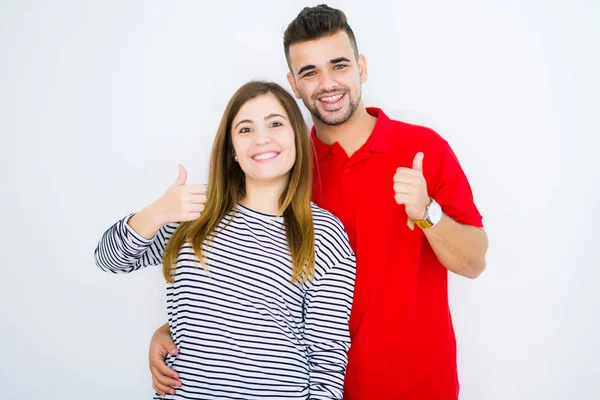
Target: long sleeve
327, 336
122, 250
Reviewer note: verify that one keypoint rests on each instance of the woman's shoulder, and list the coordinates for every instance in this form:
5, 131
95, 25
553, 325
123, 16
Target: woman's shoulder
330, 233
324, 219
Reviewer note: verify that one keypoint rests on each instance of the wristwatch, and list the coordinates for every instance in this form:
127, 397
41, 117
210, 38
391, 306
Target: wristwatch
433, 215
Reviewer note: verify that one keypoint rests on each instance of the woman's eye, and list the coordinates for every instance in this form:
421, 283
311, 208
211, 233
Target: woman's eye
244, 130
276, 124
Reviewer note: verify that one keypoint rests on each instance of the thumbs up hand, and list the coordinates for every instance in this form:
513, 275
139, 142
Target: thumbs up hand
410, 188
181, 202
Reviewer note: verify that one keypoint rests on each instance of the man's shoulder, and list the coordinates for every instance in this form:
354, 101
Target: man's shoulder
415, 132
409, 137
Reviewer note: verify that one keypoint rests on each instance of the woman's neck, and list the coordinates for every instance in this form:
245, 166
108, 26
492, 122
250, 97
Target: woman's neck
264, 196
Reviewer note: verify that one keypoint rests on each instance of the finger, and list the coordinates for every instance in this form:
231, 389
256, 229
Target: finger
418, 162
196, 189
161, 389
408, 179
402, 198
197, 198
182, 176
165, 382
164, 375
190, 202
190, 216
404, 188
157, 362
195, 207
157, 390
405, 174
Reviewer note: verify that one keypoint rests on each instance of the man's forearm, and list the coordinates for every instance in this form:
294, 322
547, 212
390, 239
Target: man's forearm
460, 248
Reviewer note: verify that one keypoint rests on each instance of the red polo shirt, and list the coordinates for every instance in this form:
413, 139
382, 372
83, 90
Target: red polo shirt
403, 344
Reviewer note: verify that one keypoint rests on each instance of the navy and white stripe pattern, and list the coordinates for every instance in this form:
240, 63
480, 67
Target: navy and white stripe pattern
243, 330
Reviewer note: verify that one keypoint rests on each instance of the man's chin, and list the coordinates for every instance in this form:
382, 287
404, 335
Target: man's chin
334, 120
331, 118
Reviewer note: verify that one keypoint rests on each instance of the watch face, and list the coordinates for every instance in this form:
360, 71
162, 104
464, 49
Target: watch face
434, 213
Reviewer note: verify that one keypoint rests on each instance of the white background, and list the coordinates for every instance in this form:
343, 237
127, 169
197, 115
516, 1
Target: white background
99, 101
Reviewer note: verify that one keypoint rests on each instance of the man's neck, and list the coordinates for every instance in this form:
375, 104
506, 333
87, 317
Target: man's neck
352, 134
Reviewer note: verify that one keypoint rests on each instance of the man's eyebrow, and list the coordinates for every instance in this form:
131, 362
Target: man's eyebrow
332, 61
305, 68
339, 60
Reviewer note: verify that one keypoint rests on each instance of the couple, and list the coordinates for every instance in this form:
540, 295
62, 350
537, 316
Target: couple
261, 280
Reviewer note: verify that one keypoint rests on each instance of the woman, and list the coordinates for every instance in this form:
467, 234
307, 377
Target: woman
259, 279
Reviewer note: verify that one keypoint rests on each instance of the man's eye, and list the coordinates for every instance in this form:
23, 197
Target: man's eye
308, 74
339, 66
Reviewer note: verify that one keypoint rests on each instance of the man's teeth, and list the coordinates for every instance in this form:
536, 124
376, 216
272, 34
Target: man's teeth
265, 156
331, 98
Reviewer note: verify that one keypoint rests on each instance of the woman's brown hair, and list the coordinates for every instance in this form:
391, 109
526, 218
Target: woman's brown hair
227, 186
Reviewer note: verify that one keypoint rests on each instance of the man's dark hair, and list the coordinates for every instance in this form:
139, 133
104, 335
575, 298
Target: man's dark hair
314, 23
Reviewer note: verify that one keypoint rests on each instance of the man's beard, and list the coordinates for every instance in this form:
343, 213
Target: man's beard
333, 120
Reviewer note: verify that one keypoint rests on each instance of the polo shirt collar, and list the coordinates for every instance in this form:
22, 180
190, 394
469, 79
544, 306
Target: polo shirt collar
378, 141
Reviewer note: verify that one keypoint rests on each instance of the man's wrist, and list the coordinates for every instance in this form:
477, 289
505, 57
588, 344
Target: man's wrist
432, 215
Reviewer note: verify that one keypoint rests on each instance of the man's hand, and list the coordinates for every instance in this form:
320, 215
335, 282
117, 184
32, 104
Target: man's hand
163, 377
410, 188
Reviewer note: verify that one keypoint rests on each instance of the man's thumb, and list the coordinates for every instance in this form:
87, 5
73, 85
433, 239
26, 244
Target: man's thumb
182, 177
418, 162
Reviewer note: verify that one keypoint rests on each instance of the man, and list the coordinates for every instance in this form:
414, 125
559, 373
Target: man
409, 212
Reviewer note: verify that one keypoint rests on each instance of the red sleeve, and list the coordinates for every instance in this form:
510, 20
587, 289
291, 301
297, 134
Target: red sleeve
452, 190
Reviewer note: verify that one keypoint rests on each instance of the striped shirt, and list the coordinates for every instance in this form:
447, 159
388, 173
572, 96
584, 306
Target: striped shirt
243, 330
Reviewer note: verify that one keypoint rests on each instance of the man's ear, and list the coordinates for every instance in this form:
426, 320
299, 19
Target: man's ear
362, 67
292, 83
